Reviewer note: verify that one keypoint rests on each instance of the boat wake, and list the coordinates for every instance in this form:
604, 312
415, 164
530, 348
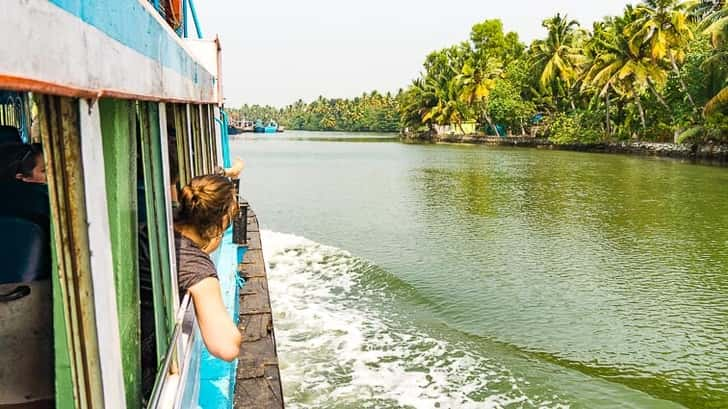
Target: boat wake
342, 341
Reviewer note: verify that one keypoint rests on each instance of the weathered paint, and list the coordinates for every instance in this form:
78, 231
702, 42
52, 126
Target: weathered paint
118, 129
139, 27
207, 53
60, 133
100, 252
62, 54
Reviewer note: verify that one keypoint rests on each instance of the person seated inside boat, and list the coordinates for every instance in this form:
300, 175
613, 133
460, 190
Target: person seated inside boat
22, 162
9, 134
206, 209
25, 290
23, 183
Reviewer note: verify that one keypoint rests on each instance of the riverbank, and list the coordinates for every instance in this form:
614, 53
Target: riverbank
714, 153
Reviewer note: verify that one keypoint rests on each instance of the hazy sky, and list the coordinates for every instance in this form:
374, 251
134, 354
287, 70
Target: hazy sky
276, 51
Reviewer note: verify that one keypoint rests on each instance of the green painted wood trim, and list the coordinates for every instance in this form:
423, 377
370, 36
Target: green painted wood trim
154, 186
118, 129
62, 359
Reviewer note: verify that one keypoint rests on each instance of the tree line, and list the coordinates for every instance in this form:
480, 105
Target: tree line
657, 72
373, 112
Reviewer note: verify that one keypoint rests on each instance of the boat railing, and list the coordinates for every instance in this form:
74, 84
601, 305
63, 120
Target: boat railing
176, 385
175, 13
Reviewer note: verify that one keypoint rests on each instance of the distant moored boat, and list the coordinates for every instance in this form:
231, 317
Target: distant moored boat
258, 127
272, 127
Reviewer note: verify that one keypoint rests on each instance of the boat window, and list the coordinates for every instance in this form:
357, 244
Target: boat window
158, 284
203, 145
26, 300
208, 140
212, 137
177, 119
198, 162
15, 111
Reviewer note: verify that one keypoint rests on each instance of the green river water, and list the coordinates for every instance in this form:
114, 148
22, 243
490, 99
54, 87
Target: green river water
423, 276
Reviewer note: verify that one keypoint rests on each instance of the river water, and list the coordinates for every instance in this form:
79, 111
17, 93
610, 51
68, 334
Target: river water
422, 276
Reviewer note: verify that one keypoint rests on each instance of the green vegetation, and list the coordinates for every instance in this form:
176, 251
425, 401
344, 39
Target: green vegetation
373, 112
658, 72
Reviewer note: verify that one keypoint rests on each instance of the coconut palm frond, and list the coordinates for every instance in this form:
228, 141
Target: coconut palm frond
690, 133
716, 103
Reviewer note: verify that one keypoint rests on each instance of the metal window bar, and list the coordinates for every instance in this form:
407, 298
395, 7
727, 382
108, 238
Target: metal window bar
178, 371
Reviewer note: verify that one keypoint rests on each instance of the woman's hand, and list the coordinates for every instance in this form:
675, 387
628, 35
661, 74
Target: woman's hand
237, 168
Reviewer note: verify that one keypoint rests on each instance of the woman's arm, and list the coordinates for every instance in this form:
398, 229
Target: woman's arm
222, 338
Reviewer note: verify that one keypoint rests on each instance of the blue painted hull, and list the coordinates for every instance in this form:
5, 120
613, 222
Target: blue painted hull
217, 377
271, 129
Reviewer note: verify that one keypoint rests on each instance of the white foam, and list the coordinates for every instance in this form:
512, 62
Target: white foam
337, 348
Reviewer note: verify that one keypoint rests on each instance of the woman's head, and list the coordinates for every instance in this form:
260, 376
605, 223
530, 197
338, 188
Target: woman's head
208, 205
22, 162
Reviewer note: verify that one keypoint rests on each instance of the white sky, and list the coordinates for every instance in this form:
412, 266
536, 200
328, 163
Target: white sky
276, 51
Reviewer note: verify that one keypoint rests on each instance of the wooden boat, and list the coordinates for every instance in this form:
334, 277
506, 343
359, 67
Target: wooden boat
247, 126
259, 127
102, 84
271, 127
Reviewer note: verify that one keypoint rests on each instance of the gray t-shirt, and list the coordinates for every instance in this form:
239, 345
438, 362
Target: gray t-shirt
193, 266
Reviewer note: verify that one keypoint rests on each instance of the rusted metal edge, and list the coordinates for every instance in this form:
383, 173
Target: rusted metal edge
23, 84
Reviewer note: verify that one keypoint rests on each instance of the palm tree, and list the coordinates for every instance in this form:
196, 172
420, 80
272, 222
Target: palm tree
617, 68
417, 103
449, 108
476, 81
715, 25
606, 58
698, 10
558, 56
661, 26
